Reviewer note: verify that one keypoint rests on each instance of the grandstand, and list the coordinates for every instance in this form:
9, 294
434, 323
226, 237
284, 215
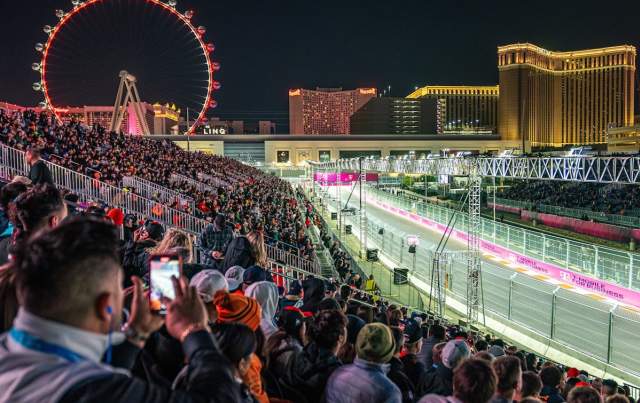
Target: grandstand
156, 182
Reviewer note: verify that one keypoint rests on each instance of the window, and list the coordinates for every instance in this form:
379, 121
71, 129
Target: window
282, 156
324, 155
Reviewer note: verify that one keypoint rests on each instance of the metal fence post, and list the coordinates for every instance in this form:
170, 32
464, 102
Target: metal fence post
553, 313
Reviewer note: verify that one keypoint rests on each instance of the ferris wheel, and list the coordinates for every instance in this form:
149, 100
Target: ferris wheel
95, 39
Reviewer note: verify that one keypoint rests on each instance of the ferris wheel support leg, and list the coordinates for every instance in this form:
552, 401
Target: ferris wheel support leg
116, 109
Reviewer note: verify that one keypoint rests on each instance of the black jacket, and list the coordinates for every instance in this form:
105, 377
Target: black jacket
135, 258
399, 377
438, 381
210, 379
413, 368
39, 173
313, 293
308, 372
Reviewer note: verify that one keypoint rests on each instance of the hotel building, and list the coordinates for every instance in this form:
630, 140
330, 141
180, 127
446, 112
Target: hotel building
558, 98
462, 108
325, 110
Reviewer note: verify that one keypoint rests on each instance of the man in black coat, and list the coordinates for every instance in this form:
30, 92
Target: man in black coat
39, 173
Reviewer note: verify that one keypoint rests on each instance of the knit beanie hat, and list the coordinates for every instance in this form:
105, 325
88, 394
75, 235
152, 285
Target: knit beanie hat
237, 308
375, 343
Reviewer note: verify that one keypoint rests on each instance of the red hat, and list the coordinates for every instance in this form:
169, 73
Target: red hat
116, 215
573, 373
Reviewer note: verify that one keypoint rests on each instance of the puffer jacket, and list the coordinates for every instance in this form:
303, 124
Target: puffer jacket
362, 381
308, 372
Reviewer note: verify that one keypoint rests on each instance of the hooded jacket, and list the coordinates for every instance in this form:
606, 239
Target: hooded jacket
266, 293
313, 293
362, 381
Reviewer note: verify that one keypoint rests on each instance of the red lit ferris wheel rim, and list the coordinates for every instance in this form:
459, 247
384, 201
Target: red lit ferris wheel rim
186, 21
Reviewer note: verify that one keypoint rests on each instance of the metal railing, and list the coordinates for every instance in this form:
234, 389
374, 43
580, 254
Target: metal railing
13, 163
153, 191
602, 330
199, 186
601, 262
615, 219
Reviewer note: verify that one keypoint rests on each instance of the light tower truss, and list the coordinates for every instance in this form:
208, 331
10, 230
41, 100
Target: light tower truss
131, 98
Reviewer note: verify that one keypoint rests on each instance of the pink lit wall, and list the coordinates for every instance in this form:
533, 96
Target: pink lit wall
330, 178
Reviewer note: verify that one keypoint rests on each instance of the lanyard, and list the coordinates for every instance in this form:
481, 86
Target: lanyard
33, 343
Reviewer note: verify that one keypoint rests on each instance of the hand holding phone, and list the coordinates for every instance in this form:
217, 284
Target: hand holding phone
162, 267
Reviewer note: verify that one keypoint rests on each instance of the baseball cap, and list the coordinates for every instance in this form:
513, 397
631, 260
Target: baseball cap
208, 282
234, 277
253, 274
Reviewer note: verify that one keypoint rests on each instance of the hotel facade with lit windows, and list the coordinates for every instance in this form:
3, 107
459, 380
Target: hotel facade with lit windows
557, 98
325, 110
462, 108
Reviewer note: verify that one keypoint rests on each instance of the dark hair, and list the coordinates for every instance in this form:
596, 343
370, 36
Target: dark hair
328, 304
584, 394
398, 336
474, 381
236, 341
31, 208
34, 151
551, 376
617, 398
437, 331
345, 292
59, 273
568, 385
327, 327
9, 192
611, 386
365, 313
508, 371
531, 384
481, 345
531, 359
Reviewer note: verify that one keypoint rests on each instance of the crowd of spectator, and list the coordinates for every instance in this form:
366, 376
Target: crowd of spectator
249, 199
77, 325
609, 199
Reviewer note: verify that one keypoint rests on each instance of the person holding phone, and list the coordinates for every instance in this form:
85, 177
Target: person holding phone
61, 342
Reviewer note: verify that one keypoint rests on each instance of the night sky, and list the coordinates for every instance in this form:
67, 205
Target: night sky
267, 47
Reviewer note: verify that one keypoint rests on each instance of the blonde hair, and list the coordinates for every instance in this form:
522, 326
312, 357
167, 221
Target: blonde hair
175, 239
256, 239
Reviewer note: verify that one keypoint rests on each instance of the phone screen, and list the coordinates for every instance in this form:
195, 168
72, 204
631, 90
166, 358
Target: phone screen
161, 269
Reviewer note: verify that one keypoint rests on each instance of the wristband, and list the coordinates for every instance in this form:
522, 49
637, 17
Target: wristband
196, 327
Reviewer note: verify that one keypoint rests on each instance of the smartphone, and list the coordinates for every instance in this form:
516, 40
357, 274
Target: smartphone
161, 268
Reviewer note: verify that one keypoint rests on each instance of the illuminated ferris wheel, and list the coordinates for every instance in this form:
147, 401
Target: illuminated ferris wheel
96, 39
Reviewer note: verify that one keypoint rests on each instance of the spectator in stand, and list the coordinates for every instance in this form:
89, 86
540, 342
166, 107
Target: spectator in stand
39, 173
207, 283
36, 210
435, 335
413, 367
473, 382
397, 373
238, 308
617, 398
313, 294
308, 371
584, 394
481, 345
531, 385
551, 378
252, 275
509, 374
440, 381
8, 194
214, 240
347, 352
293, 295
136, 251
266, 293
365, 379
289, 340
246, 251
609, 388
70, 281
234, 278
